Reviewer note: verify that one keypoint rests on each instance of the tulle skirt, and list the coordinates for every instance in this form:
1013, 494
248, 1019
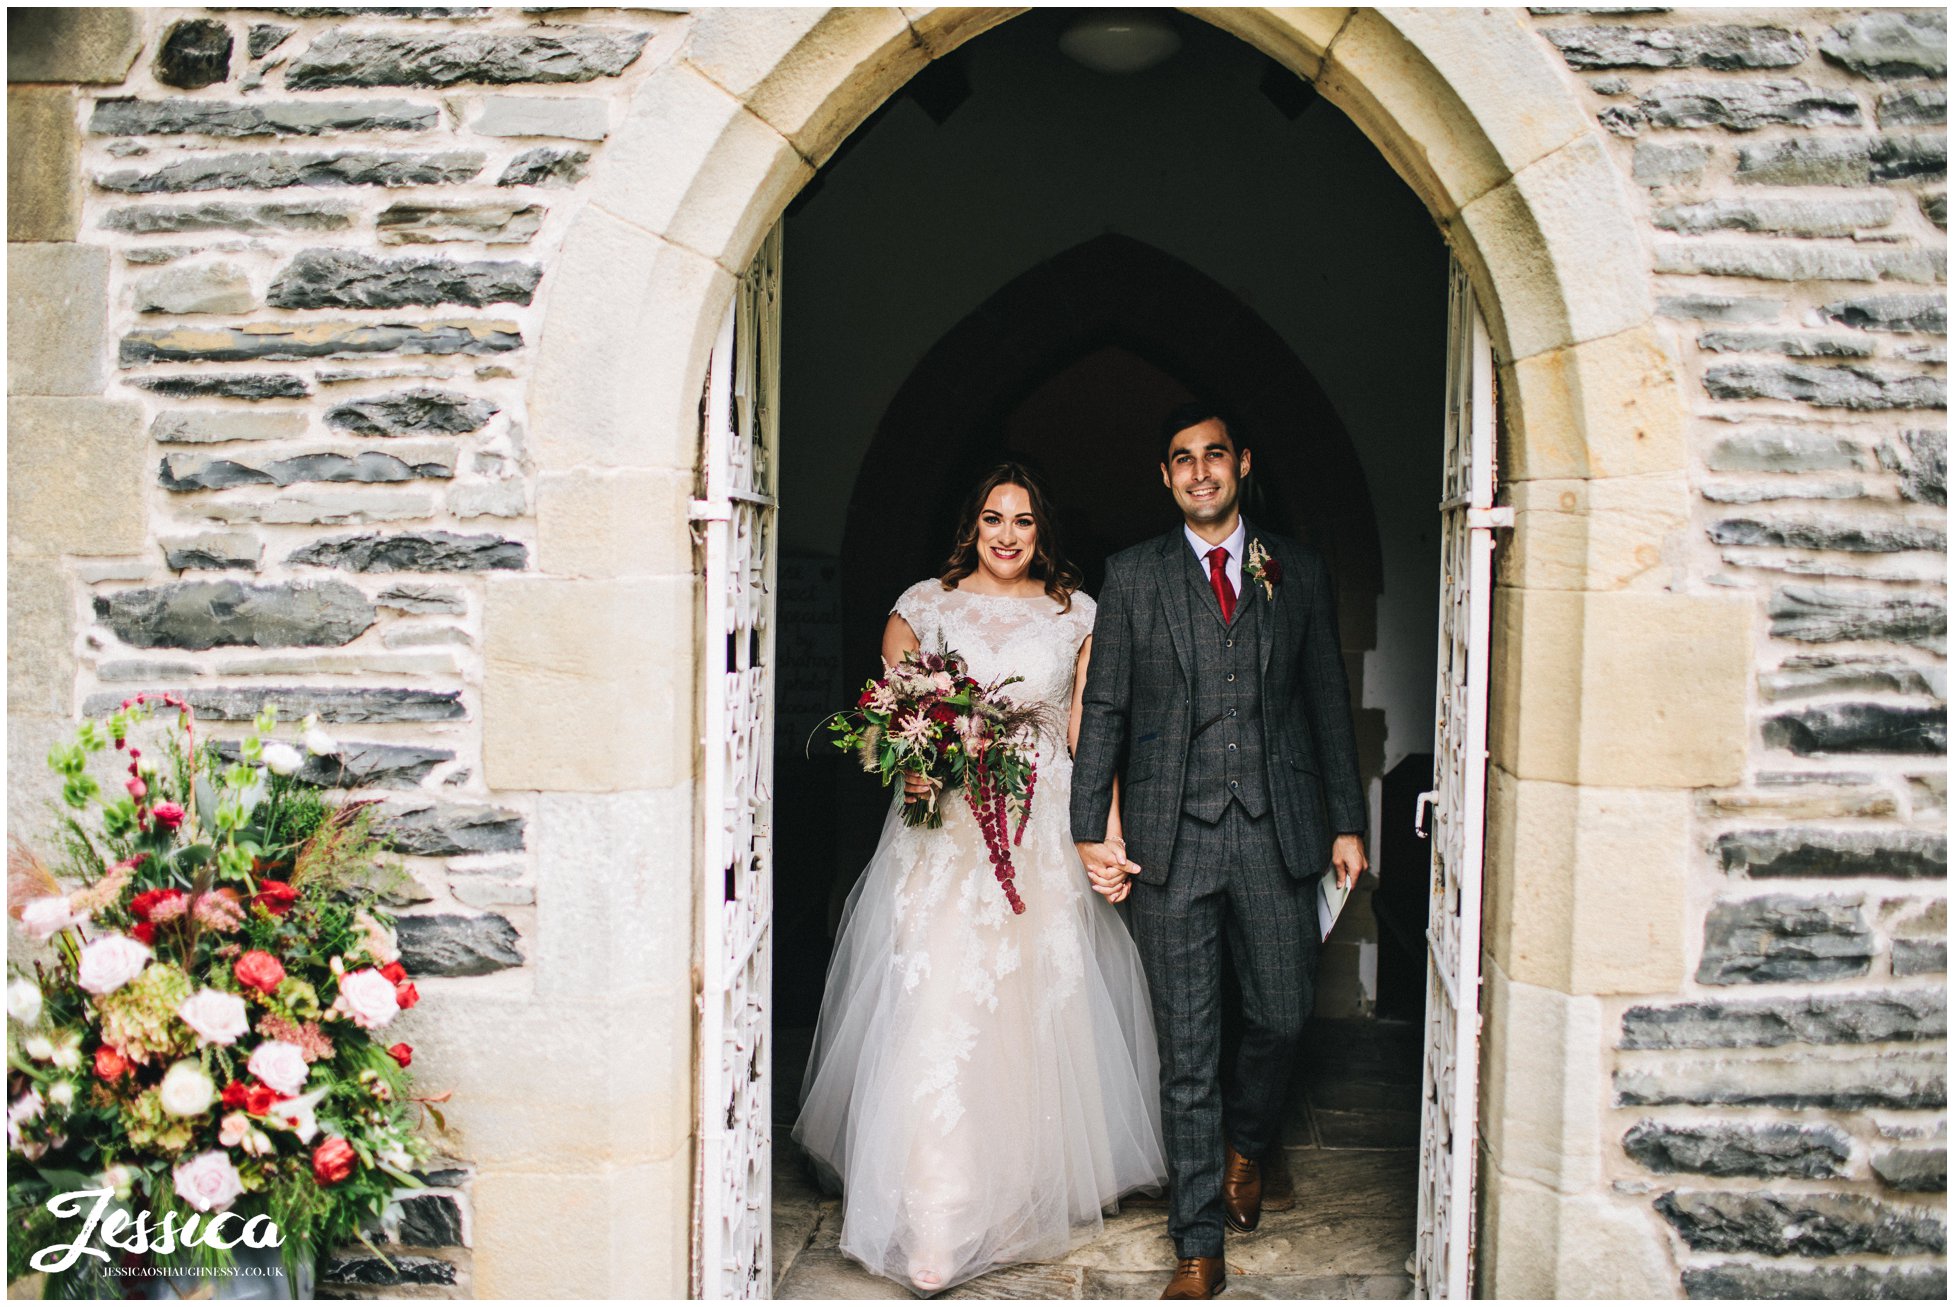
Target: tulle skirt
984, 1085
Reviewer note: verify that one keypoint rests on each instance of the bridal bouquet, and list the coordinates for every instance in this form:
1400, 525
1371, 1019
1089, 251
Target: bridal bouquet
927, 715
205, 1043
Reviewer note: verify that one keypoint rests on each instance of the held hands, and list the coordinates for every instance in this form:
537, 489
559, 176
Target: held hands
1107, 867
1347, 860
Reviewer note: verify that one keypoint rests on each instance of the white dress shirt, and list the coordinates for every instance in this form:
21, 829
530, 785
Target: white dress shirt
1236, 545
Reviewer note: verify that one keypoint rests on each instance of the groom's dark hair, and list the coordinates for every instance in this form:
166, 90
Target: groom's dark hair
1193, 414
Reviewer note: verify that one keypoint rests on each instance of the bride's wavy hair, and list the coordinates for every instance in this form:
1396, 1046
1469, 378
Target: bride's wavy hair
1048, 561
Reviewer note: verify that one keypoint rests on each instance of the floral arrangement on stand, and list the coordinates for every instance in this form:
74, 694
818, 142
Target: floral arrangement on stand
928, 716
207, 1035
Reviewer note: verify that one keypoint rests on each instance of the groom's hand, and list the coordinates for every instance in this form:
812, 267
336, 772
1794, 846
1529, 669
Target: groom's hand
1107, 866
1348, 860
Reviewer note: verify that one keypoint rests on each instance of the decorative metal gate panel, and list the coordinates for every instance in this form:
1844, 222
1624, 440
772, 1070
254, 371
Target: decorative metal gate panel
1449, 1137
732, 1254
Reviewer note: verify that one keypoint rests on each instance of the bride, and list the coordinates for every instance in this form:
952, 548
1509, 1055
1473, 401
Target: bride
984, 1085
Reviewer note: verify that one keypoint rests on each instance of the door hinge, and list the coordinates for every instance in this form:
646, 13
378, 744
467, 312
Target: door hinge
712, 510
1487, 519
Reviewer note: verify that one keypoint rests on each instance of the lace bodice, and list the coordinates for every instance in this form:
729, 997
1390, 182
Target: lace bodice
1000, 636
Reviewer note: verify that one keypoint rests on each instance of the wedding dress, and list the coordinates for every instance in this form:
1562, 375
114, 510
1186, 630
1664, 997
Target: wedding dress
984, 1085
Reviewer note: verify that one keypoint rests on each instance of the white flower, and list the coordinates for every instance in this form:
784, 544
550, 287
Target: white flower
38, 1047
45, 918
23, 1000
317, 741
208, 1182
282, 759
67, 1051
368, 998
257, 1143
109, 963
119, 1178
186, 1090
61, 1093
297, 1113
22, 1110
395, 1154
217, 1017
280, 1065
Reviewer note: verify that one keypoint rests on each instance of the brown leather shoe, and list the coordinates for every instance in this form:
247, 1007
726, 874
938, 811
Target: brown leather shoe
1197, 1277
1241, 1192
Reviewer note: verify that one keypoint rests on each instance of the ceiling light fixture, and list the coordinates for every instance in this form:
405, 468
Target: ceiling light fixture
1120, 40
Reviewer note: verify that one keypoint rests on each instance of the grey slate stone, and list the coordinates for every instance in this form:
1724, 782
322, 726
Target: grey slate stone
194, 53
1905, 1080
417, 597
419, 412
1721, 46
1920, 458
1861, 728
1772, 261
266, 37
408, 223
534, 115
211, 426
1780, 937
1792, 344
472, 499
1934, 205
264, 118
425, 551
182, 473
1890, 44
1718, 308
1749, 1280
546, 165
1802, 677
1856, 537
275, 171
331, 703
427, 1221
365, 766
1782, 489
1785, 217
213, 551
1806, 851
213, 614
344, 57
196, 288
280, 341
321, 507
1800, 1224
1786, 449
1902, 312
1913, 1170
1747, 106
1841, 161
432, 828
1874, 1017
1808, 1152
377, 1272
347, 279
298, 216
1919, 957
1865, 389
1660, 164
1824, 614
1924, 106
236, 385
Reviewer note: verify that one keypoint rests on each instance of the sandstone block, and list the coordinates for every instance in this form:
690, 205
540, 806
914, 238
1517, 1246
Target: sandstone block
73, 44
529, 115
43, 164
57, 311
75, 473
1609, 408
616, 523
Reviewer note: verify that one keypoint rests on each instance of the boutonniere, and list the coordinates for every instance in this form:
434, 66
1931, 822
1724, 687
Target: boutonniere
1263, 568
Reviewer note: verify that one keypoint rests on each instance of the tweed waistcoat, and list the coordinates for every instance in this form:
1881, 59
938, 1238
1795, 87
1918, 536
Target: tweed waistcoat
1225, 758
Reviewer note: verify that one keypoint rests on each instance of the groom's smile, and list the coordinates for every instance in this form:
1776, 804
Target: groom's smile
1203, 471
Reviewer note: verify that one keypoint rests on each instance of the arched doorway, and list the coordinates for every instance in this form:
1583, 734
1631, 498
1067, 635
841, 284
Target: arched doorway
1470, 111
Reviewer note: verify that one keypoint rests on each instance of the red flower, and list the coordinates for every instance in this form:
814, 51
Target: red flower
259, 970
942, 713
146, 902
144, 931
168, 815
395, 972
260, 1098
275, 897
1272, 569
136, 787
332, 1161
406, 995
110, 1065
235, 1094
402, 1054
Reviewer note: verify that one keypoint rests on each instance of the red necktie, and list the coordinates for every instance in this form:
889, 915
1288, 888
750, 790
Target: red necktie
1218, 573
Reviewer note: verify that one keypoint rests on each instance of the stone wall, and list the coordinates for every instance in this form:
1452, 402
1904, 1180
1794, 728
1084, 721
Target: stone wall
1785, 1113
278, 284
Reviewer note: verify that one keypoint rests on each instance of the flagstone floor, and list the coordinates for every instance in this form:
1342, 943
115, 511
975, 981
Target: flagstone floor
1351, 1146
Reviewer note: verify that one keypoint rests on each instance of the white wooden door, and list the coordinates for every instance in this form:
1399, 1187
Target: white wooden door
1449, 1137
732, 1254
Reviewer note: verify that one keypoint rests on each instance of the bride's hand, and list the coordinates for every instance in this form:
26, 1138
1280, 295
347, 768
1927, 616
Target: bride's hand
915, 786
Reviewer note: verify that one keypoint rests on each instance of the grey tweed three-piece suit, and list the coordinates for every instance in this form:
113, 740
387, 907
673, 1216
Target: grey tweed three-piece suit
1238, 766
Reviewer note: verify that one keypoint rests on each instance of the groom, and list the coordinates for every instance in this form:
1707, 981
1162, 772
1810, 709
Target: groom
1216, 696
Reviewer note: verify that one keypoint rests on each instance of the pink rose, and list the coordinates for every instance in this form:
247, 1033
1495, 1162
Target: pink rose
368, 997
217, 1017
208, 1181
168, 815
109, 963
45, 918
280, 1065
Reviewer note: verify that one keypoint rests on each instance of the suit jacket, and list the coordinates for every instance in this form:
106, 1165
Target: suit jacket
1136, 713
